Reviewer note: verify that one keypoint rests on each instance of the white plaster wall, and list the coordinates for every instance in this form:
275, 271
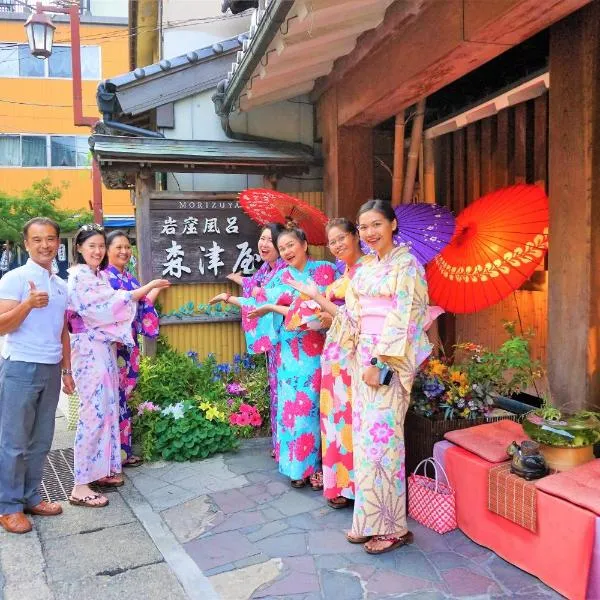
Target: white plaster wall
109, 8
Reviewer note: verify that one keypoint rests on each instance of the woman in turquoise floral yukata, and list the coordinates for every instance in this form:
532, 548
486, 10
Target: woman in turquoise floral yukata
145, 323
294, 326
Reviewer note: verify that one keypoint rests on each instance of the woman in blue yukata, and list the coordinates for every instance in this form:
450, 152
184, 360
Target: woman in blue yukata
252, 287
145, 323
285, 318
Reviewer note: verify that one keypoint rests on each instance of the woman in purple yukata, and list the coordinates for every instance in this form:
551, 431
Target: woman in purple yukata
145, 322
252, 288
99, 317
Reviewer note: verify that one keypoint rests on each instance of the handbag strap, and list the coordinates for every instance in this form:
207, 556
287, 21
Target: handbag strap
435, 464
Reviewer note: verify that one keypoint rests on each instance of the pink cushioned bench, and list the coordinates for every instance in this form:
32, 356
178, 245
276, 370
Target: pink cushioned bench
563, 552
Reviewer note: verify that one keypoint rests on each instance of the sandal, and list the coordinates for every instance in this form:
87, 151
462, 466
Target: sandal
112, 481
89, 501
396, 542
316, 481
133, 461
298, 483
339, 502
273, 454
357, 539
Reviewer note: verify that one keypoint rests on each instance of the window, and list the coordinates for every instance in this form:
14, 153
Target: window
33, 151
59, 62
10, 150
16, 61
30, 66
9, 60
26, 150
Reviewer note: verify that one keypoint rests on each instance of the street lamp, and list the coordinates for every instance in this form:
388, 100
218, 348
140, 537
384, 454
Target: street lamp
40, 33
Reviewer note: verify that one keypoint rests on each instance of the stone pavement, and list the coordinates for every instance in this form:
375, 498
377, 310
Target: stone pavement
232, 528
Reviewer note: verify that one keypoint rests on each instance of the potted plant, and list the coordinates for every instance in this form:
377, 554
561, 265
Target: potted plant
566, 440
465, 389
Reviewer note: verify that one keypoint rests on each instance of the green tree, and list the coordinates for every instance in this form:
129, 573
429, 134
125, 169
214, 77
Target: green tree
37, 201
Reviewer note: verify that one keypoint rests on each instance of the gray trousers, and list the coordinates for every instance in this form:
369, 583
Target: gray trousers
28, 399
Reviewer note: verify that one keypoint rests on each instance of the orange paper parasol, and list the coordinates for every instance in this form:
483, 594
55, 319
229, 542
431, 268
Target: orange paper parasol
499, 241
269, 206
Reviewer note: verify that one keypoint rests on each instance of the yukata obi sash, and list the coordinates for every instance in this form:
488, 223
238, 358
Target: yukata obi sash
373, 312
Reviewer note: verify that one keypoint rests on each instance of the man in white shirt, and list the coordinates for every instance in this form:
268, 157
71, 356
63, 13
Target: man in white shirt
33, 301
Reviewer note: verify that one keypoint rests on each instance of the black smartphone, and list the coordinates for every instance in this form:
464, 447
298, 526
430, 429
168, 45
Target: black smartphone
385, 375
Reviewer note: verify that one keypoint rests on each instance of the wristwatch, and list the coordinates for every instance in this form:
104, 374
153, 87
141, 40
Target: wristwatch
66, 372
377, 363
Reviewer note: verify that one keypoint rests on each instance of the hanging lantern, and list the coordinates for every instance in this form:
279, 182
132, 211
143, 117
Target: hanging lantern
40, 34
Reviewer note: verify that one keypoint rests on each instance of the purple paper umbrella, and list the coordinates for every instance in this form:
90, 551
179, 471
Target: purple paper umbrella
425, 228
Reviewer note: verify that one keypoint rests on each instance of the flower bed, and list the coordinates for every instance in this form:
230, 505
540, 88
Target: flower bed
187, 409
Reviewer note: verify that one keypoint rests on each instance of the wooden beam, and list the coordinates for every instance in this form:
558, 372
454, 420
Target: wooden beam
428, 172
400, 69
574, 186
144, 186
397, 172
413, 153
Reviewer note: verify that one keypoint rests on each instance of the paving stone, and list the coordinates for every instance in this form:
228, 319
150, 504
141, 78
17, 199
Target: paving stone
276, 488
220, 569
153, 582
463, 582
79, 520
305, 521
251, 560
19, 550
300, 564
389, 582
384, 561
240, 520
331, 542
271, 514
169, 496
446, 560
248, 462
332, 561
290, 585
283, 545
77, 556
426, 596
415, 564
258, 477
341, 585
240, 584
428, 540
219, 549
270, 529
295, 502
191, 519
232, 501
146, 484
33, 590
511, 577
218, 485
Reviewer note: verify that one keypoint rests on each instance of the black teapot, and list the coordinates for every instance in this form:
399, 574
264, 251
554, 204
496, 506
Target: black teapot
527, 461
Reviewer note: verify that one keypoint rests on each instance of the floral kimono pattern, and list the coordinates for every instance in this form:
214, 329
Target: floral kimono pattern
128, 358
298, 372
396, 283
253, 329
336, 404
98, 317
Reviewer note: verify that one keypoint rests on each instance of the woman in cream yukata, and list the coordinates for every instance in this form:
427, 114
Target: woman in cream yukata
98, 317
382, 324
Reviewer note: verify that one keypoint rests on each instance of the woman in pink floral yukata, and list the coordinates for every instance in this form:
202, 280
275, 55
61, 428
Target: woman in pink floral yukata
99, 317
118, 250
383, 326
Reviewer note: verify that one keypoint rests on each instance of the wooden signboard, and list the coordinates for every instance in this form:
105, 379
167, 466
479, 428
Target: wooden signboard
201, 241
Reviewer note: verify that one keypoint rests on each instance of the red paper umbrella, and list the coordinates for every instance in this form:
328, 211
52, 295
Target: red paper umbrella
270, 206
499, 241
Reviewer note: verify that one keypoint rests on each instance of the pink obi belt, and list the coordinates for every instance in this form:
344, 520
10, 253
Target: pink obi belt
75, 323
373, 312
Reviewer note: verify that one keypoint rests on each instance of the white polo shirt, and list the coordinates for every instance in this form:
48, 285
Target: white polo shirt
38, 337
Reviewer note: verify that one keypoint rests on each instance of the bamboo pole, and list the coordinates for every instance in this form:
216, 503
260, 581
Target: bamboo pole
413, 153
398, 159
428, 171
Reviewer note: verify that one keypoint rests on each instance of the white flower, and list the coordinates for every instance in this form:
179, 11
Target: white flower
176, 410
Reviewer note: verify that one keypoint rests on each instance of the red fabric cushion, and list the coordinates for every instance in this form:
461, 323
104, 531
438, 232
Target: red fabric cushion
489, 441
580, 485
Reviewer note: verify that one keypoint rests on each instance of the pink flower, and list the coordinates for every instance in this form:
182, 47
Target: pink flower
262, 344
288, 416
304, 446
247, 408
302, 405
381, 433
323, 275
243, 419
233, 419
255, 420
295, 348
312, 343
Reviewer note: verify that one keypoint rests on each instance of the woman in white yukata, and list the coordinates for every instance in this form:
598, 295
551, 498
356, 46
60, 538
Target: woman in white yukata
98, 317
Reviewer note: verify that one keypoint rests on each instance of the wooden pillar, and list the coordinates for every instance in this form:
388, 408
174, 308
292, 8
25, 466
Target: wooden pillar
144, 185
348, 161
574, 190
398, 159
428, 171
413, 153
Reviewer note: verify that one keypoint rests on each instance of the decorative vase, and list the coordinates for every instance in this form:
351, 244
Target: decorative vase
562, 459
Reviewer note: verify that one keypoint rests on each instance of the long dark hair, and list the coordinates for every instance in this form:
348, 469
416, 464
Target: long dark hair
276, 230
85, 233
383, 207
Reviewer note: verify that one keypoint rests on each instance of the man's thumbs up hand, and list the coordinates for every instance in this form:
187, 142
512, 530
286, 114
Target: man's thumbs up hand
37, 298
